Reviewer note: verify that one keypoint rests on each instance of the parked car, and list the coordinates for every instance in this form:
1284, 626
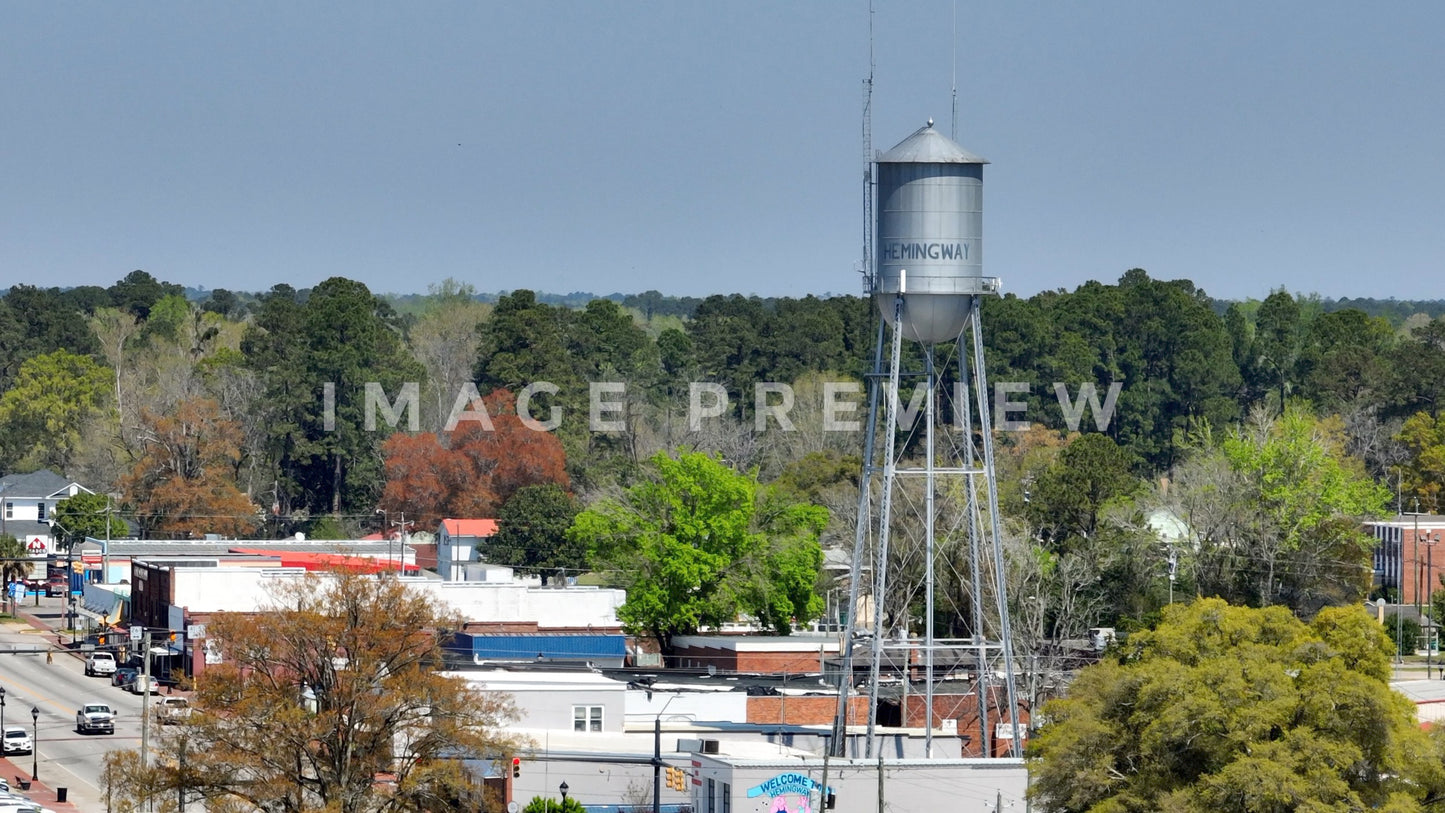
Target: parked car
172, 709
95, 717
139, 684
124, 676
100, 663
17, 741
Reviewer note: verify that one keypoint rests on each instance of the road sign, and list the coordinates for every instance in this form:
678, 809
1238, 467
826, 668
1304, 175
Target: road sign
136, 633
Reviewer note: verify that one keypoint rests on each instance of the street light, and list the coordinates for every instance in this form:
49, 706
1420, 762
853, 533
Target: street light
563, 787
35, 744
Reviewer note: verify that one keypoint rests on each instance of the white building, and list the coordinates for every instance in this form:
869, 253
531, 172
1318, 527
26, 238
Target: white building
28, 502
457, 541
598, 735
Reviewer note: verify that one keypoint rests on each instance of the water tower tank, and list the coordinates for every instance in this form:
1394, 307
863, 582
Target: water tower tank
930, 235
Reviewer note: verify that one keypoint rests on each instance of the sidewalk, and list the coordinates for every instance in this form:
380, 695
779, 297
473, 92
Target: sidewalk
39, 793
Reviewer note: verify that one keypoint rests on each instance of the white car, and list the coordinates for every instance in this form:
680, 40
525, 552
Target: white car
95, 717
172, 709
138, 686
16, 741
100, 663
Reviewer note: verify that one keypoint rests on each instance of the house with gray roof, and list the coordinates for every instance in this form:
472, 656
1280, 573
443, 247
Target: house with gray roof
27, 503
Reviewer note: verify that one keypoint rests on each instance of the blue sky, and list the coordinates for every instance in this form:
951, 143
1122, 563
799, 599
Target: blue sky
701, 148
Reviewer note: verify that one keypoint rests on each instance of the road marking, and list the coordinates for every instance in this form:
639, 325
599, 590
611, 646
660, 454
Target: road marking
64, 714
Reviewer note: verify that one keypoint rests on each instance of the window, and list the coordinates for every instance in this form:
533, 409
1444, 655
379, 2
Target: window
711, 796
586, 718
10, 510
727, 798
40, 510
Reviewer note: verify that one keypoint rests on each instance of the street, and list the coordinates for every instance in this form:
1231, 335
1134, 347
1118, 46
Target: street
65, 758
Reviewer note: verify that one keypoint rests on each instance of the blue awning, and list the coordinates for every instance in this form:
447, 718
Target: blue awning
513, 647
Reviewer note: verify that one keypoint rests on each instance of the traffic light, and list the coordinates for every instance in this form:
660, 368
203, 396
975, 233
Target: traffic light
516, 767
831, 800
676, 778
100, 640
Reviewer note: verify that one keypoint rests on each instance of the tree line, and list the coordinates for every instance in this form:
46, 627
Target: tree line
1265, 430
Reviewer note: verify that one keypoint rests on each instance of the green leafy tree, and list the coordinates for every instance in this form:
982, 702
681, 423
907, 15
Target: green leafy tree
35, 321
13, 566
542, 804
1417, 370
1404, 634
87, 515
1275, 511
1422, 476
1069, 497
1278, 332
1225, 709
139, 292
45, 413
532, 531
698, 544
1308, 496
343, 336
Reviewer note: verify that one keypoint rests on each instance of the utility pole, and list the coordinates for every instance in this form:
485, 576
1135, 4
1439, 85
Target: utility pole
145, 703
882, 805
823, 791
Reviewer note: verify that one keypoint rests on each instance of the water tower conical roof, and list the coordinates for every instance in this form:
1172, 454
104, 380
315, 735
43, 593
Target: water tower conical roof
928, 146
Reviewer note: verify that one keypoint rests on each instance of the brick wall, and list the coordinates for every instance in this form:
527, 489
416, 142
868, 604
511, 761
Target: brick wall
778, 663
810, 710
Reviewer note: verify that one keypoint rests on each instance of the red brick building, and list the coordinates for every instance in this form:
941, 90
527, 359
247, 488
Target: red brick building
755, 654
1405, 555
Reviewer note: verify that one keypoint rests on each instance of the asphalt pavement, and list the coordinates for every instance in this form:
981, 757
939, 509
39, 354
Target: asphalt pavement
44, 678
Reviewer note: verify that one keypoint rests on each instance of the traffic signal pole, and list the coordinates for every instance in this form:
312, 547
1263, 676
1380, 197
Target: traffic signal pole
657, 764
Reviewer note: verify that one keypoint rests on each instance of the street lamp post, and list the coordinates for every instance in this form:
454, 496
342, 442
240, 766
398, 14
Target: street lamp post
563, 787
35, 744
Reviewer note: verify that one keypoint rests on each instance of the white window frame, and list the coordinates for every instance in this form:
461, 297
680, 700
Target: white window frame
587, 718
40, 511
10, 510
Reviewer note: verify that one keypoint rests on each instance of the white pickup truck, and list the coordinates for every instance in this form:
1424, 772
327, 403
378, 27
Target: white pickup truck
100, 663
93, 717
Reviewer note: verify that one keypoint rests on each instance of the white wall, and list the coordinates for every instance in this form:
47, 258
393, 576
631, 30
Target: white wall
246, 589
518, 602
227, 589
689, 706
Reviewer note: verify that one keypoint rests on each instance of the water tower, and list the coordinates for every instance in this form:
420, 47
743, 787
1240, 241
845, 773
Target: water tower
927, 277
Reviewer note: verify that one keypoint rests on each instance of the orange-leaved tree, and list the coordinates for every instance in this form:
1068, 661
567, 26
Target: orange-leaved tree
329, 699
185, 481
473, 469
